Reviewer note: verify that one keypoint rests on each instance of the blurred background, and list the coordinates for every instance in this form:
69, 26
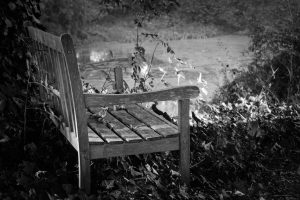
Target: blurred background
211, 37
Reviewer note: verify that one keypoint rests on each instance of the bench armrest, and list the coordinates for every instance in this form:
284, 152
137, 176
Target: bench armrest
176, 93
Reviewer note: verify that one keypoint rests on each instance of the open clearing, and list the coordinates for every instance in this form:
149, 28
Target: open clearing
213, 57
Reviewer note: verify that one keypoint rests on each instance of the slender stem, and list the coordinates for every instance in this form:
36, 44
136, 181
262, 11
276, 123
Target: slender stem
25, 111
137, 36
154, 53
31, 82
290, 10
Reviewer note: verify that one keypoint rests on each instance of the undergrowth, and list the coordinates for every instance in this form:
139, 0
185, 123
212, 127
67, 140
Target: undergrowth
246, 146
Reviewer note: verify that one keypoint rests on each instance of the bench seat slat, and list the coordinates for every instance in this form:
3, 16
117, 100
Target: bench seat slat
101, 129
142, 129
93, 137
122, 130
152, 121
118, 127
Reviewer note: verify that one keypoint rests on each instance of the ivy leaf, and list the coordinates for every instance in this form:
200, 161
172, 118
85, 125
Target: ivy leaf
135, 173
116, 194
183, 192
24, 180
8, 23
108, 184
148, 167
12, 6
174, 173
28, 167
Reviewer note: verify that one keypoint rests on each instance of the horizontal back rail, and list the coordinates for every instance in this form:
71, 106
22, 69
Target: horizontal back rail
183, 92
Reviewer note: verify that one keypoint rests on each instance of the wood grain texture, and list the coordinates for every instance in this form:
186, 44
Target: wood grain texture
157, 124
119, 79
80, 112
45, 38
136, 125
68, 95
113, 150
150, 111
184, 139
100, 128
68, 135
38, 53
94, 138
60, 73
118, 127
183, 92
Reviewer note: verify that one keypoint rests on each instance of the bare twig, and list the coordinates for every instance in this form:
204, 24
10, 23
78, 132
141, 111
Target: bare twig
25, 110
154, 53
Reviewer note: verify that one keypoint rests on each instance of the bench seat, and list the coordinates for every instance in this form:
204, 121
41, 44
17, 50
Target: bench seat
129, 131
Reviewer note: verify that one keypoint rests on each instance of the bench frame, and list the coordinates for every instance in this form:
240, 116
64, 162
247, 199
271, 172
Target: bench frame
71, 103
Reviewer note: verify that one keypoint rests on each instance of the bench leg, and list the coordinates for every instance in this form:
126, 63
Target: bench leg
84, 172
184, 140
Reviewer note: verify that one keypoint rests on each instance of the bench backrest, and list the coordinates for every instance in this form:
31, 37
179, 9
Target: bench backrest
57, 68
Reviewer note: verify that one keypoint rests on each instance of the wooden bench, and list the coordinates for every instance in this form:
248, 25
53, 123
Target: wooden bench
128, 131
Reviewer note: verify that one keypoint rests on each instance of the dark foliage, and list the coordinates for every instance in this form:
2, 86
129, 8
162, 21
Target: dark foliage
15, 70
246, 148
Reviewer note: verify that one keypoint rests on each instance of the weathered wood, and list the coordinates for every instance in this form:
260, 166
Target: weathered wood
113, 150
157, 124
62, 89
50, 70
94, 138
40, 69
158, 116
105, 133
67, 95
45, 38
54, 82
119, 79
118, 127
70, 137
184, 139
79, 108
183, 92
122, 130
134, 130
136, 125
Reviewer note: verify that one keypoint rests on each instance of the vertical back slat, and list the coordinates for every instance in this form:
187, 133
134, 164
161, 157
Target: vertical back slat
47, 63
67, 93
53, 81
63, 100
40, 68
119, 79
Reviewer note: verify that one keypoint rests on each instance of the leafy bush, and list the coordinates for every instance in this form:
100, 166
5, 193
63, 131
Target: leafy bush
275, 69
247, 146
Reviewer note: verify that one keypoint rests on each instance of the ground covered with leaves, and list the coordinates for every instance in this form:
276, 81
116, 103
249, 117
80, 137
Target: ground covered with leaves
245, 150
245, 146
